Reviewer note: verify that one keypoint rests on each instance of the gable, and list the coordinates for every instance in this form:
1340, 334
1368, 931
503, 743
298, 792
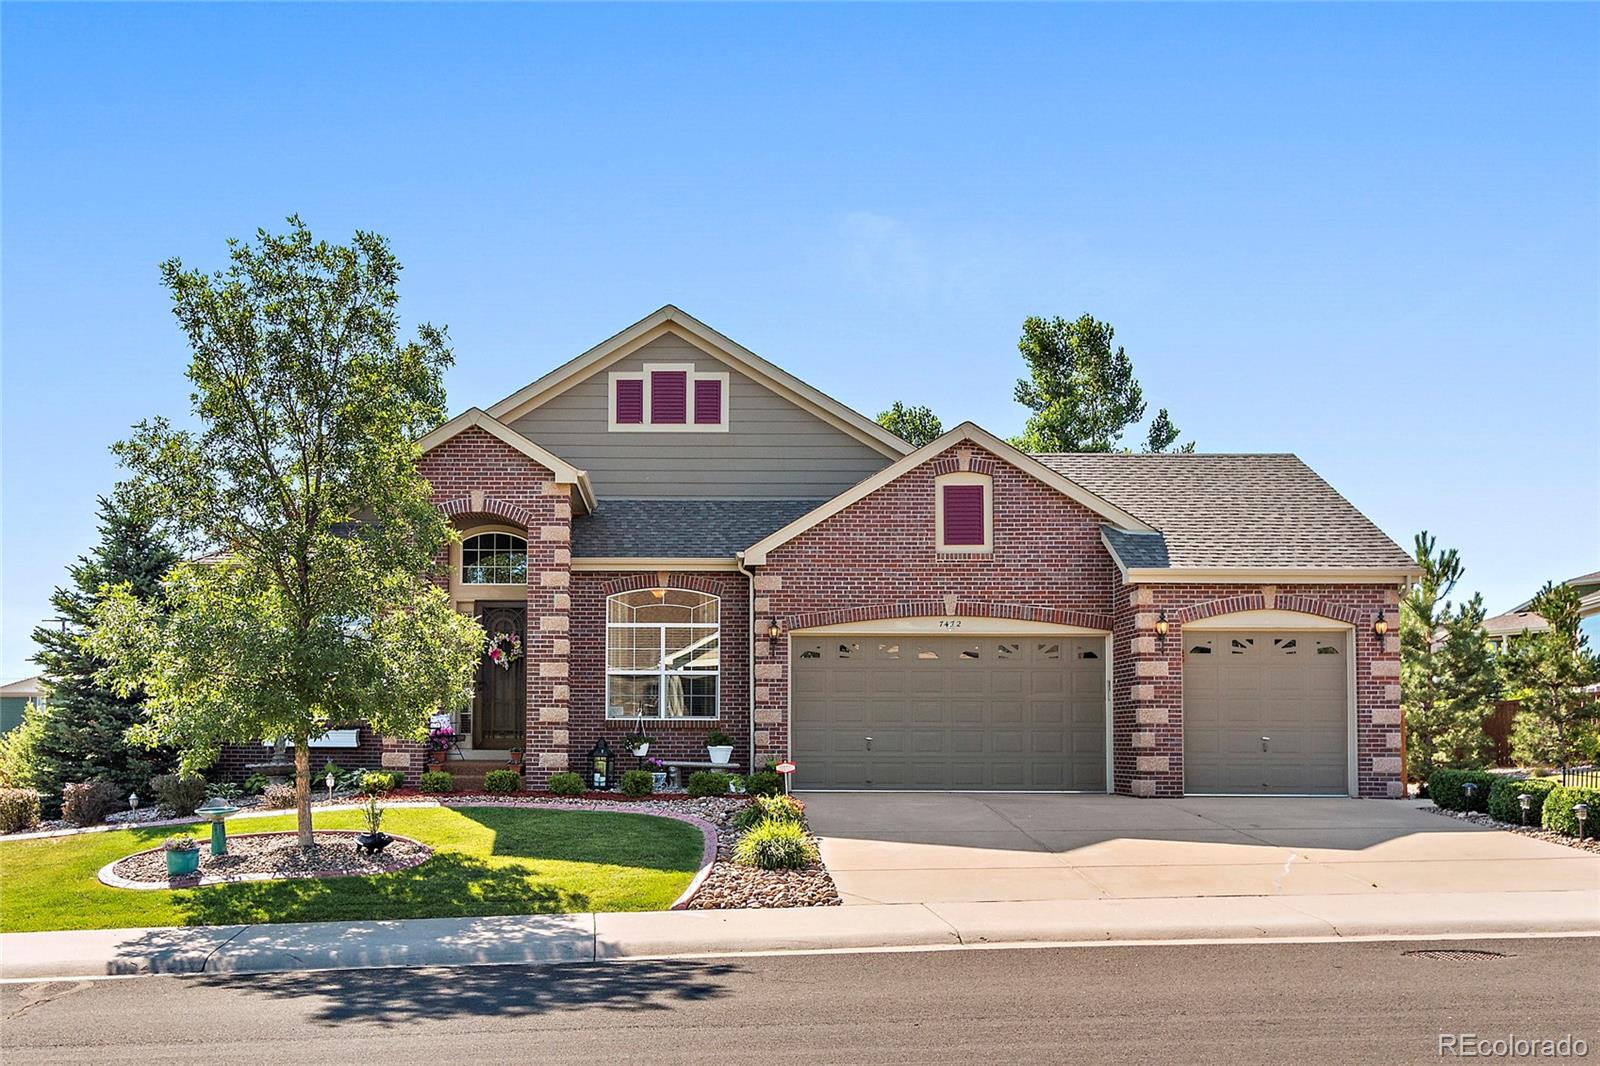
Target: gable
766, 444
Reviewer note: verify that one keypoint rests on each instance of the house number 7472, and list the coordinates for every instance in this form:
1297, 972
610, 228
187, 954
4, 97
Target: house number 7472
949, 623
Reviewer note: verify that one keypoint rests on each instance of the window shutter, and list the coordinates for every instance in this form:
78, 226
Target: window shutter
630, 402
963, 514
668, 397
708, 402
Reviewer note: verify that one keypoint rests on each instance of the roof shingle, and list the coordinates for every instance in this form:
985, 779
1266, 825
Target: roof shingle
690, 529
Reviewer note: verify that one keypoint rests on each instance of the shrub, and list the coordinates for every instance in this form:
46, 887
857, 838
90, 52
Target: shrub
278, 797
770, 809
255, 784
1444, 788
1558, 815
377, 782
708, 783
88, 802
19, 810
764, 783
718, 739
566, 784
502, 781
179, 793
226, 791
1503, 802
19, 749
637, 783
437, 781
776, 846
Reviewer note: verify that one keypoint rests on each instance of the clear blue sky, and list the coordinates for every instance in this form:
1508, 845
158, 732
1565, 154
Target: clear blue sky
1366, 234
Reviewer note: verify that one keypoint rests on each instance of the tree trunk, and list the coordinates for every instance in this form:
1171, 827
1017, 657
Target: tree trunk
302, 790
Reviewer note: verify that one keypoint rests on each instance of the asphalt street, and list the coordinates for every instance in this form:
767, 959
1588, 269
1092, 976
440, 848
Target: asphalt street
1235, 1003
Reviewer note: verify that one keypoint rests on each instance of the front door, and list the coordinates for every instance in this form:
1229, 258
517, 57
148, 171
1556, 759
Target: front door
500, 705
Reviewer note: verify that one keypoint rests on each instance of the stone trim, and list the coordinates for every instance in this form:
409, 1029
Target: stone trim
1256, 601
480, 504
685, 582
961, 609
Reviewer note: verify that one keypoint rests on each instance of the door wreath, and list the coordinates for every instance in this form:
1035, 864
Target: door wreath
504, 649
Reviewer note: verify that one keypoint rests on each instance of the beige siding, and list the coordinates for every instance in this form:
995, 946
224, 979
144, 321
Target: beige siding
772, 449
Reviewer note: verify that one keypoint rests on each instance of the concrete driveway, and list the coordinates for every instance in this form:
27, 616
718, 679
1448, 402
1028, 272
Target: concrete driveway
980, 847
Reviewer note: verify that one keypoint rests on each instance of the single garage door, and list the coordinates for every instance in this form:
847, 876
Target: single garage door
949, 713
1264, 713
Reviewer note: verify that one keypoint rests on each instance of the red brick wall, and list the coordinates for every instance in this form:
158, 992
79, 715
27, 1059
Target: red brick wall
670, 739
478, 478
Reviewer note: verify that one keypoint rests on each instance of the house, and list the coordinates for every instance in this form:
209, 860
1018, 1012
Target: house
14, 699
1521, 619
684, 536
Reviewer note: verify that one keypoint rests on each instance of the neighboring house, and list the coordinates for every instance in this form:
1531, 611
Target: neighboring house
14, 699
1521, 618
685, 535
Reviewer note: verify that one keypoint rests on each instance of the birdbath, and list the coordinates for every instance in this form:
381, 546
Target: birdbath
217, 810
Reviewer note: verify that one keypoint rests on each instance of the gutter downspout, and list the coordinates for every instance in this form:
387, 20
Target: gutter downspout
749, 654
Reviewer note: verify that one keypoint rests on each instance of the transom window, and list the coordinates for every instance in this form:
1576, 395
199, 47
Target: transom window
494, 559
662, 654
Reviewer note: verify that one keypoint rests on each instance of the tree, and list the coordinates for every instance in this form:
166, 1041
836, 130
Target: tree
1553, 673
914, 425
314, 608
83, 728
1449, 678
1081, 390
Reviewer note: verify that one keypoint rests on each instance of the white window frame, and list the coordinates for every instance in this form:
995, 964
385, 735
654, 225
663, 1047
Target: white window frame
963, 477
688, 425
661, 672
459, 558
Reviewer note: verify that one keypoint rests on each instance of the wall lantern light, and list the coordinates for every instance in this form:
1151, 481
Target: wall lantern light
1161, 628
1380, 626
774, 632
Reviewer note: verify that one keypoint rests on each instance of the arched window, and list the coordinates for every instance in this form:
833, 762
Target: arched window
662, 658
494, 559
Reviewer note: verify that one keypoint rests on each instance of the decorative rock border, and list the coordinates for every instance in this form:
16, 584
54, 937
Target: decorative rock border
109, 877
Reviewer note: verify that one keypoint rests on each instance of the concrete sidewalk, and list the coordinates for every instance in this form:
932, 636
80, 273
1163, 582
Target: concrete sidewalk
595, 937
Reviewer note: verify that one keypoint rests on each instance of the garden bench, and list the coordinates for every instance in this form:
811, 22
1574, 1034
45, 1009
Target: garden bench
675, 778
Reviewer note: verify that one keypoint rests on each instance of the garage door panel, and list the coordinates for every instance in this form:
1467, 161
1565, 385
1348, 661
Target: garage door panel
1241, 687
950, 713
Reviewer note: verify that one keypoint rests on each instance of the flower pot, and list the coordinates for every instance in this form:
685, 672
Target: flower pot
660, 780
641, 750
720, 754
180, 863
372, 843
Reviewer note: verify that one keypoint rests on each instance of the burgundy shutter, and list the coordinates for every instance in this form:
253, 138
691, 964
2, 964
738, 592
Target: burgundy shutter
963, 515
668, 397
708, 402
630, 401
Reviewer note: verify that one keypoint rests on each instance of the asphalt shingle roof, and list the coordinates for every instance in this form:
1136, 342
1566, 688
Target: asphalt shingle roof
1230, 511
680, 528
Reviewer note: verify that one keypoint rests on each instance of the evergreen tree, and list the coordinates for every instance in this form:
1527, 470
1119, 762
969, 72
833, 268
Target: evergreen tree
1553, 673
84, 723
1449, 678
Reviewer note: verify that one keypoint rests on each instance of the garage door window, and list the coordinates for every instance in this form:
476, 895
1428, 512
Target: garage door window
662, 654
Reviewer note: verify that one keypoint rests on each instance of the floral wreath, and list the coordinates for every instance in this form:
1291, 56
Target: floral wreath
504, 649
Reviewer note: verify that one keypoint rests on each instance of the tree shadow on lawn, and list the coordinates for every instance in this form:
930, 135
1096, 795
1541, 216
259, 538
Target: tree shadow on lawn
451, 884
639, 841
394, 997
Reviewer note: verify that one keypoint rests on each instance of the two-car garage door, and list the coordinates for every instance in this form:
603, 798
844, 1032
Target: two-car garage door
949, 712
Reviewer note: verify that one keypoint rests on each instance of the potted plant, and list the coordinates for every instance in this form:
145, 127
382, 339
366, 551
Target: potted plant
719, 746
440, 737
183, 855
638, 742
374, 839
658, 772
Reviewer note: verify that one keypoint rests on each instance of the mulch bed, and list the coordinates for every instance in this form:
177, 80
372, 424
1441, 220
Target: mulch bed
1477, 818
275, 856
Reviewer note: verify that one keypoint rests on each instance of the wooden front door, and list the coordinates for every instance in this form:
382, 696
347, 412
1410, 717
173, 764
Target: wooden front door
499, 719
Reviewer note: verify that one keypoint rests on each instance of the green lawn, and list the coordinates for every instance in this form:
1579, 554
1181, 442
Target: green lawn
486, 861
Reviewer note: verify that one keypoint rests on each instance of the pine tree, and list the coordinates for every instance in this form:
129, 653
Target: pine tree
1553, 673
1449, 678
85, 723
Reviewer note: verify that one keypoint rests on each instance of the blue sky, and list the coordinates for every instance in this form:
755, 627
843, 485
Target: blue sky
1366, 234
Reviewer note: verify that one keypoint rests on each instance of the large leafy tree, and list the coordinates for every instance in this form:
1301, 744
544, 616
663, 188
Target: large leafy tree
1449, 678
82, 730
1554, 673
313, 608
1082, 390
914, 425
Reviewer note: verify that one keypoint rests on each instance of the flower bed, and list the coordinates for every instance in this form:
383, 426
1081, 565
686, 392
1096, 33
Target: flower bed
1587, 844
268, 857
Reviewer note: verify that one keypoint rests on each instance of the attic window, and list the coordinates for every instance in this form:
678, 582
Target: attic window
964, 512
668, 397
